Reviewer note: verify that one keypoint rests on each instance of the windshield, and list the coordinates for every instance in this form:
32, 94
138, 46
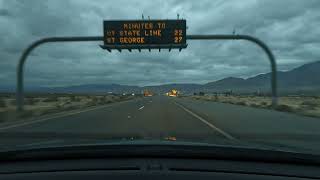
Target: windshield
227, 73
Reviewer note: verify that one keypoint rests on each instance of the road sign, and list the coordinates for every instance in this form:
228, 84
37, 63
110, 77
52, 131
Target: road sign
144, 34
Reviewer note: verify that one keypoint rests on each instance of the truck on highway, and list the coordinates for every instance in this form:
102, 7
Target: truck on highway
173, 93
147, 93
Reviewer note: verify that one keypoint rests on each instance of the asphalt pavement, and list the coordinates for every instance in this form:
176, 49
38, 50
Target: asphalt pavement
175, 119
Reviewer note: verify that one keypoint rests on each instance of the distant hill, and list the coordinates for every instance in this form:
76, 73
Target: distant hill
226, 83
303, 79
97, 88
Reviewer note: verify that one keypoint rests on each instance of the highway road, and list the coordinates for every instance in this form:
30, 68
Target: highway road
175, 119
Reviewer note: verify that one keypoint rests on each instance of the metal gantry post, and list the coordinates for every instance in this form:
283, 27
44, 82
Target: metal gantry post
27, 51
257, 42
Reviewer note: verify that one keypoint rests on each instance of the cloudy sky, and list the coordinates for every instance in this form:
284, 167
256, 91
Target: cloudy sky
290, 27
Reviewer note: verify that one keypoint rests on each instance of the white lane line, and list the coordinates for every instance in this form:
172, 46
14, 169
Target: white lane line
53, 117
141, 107
228, 136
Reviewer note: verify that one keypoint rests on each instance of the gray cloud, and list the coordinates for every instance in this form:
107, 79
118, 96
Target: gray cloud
4, 12
290, 27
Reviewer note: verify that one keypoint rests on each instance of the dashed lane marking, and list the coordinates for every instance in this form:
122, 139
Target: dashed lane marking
225, 134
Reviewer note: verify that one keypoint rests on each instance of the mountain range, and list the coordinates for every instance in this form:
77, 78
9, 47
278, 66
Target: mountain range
304, 79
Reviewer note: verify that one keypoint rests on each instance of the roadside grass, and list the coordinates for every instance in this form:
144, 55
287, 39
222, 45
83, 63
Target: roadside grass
303, 105
50, 99
2, 103
38, 105
285, 108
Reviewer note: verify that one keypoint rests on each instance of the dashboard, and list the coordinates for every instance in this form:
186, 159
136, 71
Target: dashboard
153, 168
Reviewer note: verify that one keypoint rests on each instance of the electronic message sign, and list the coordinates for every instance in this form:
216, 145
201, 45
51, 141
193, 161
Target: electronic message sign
144, 34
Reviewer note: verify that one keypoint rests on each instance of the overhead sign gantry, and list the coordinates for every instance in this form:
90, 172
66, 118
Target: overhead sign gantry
144, 34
